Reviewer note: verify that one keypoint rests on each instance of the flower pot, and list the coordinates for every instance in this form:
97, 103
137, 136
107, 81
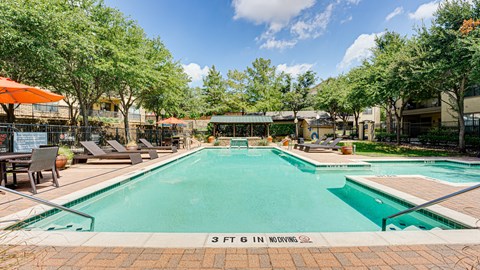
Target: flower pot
285, 143
211, 139
347, 150
61, 161
269, 139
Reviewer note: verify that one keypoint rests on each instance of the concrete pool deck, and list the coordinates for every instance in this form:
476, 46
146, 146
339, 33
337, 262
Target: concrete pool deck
82, 176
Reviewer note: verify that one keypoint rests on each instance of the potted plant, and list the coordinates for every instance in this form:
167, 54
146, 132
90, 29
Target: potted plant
132, 145
347, 148
269, 139
64, 155
211, 139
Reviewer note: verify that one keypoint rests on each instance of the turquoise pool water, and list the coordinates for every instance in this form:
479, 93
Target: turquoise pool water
452, 172
238, 190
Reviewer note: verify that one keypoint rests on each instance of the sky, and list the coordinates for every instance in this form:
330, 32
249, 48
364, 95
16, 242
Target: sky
328, 37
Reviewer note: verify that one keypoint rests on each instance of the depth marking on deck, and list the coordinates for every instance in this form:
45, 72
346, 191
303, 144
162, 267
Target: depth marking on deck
259, 239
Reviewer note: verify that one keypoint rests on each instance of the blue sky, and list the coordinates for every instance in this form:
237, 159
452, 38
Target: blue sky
326, 36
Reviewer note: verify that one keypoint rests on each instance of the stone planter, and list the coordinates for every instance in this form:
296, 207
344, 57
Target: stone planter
347, 150
61, 162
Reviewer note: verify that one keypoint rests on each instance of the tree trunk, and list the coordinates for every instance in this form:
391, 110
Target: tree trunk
296, 124
357, 126
334, 118
10, 112
126, 126
398, 128
389, 120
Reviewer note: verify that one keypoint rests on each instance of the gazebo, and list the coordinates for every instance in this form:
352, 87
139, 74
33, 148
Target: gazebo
241, 126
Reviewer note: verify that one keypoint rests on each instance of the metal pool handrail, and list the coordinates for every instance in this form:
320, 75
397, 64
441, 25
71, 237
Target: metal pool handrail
429, 203
54, 205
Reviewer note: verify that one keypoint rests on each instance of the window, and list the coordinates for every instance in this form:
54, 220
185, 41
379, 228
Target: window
46, 107
472, 119
368, 111
473, 91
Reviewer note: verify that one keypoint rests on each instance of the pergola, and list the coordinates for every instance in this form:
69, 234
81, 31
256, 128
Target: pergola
241, 126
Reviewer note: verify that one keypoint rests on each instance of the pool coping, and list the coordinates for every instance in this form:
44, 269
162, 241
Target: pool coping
207, 240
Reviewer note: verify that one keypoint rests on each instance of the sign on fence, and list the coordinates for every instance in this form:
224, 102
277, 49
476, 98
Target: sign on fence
26, 141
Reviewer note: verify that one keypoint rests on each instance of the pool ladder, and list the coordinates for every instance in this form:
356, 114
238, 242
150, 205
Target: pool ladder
51, 204
427, 204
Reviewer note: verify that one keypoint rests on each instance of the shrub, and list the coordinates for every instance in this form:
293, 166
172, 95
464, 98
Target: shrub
282, 129
216, 143
263, 143
66, 151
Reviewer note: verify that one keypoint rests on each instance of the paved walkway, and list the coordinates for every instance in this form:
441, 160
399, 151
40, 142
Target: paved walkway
393, 257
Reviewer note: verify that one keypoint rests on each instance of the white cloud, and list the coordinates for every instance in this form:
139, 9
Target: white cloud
315, 27
396, 12
273, 43
425, 11
359, 50
294, 70
353, 2
275, 13
195, 72
350, 18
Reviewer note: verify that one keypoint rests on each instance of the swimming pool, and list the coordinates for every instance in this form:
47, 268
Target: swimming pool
237, 190
449, 171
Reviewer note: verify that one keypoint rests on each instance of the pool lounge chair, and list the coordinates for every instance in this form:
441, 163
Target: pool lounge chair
151, 147
98, 153
330, 146
301, 145
121, 149
325, 142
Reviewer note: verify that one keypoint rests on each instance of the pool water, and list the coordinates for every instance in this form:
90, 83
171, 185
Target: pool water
452, 172
238, 190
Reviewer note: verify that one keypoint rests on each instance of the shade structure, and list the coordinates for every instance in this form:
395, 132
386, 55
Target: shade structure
12, 92
172, 121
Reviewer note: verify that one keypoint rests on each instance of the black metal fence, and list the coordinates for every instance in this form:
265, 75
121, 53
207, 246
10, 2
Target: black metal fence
72, 135
413, 130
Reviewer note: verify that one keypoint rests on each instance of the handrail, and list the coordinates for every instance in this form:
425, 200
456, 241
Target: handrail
54, 205
429, 203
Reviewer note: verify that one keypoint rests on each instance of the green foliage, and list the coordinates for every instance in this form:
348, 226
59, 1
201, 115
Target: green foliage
216, 143
390, 137
66, 151
296, 95
214, 92
263, 143
383, 149
282, 129
263, 86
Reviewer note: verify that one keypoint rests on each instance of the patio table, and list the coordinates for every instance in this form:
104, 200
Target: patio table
4, 157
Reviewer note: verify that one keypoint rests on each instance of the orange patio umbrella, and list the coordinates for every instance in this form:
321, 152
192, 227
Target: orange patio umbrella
12, 92
172, 121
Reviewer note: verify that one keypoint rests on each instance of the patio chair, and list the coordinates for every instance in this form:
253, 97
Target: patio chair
43, 159
330, 146
98, 153
301, 145
317, 143
121, 149
150, 146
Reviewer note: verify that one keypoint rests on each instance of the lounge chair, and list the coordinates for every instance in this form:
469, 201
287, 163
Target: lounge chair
121, 149
324, 142
97, 152
150, 146
301, 145
42, 159
330, 146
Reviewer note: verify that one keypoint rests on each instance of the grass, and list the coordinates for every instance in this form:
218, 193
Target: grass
375, 149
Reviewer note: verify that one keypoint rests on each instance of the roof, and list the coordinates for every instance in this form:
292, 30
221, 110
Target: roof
245, 119
301, 115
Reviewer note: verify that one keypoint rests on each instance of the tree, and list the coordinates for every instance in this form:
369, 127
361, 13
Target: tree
296, 95
27, 51
396, 82
330, 98
263, 88
359, 93
237, 99
450, 65
214, 92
